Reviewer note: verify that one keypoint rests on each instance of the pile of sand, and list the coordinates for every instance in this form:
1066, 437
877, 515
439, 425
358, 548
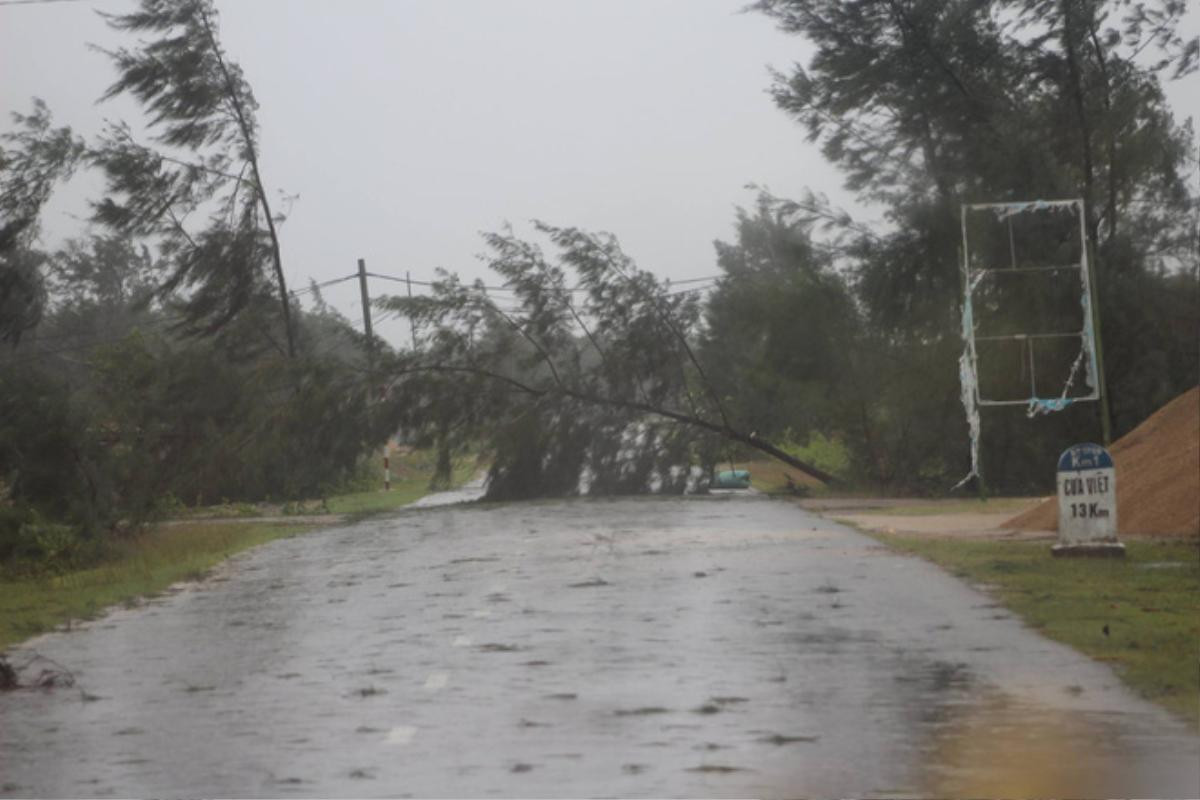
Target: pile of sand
1158, 476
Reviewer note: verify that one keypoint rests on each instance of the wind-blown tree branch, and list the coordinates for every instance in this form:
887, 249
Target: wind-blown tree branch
201, 106
593, 386
33, 158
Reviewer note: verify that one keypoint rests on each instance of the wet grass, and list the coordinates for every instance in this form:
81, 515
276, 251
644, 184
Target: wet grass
148, 563
411, 472
772, 477
1140, 614
410, 484
137, 567
994, 505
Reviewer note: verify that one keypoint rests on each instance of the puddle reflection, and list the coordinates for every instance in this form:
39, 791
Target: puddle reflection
1000, 748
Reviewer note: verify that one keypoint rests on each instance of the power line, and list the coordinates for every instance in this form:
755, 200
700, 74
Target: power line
690, 291
323, 285
695, 280
416, 282
38, 2
578, 288
156, 324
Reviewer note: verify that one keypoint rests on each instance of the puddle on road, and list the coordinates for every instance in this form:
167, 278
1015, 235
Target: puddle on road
999, 748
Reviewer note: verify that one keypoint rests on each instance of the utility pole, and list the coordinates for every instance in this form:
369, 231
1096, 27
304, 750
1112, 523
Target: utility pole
366, 310
1089, 250
412, 326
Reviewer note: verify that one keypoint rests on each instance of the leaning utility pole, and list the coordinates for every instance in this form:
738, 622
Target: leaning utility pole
366, 311
412, 324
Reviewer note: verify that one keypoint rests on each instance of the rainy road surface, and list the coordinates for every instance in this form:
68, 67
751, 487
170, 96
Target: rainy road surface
635, 647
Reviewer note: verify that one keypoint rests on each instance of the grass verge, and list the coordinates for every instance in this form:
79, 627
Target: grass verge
142, 565
1149, 602
150, 562
771, 476
410, 483
993, 505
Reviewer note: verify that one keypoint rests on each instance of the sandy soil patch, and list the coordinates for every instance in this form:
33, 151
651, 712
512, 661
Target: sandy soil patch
953, 526
1158, 476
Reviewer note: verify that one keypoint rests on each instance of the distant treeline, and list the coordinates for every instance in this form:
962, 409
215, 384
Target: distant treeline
110, 414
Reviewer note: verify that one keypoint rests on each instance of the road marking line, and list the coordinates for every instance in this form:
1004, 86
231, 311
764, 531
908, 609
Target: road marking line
436, 680
461, 641
401, 735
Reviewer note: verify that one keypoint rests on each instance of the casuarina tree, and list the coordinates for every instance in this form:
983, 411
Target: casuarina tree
33, 158
202, 159
929, 104
582, 376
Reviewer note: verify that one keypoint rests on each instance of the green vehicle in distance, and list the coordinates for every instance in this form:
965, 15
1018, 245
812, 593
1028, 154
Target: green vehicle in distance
732, 479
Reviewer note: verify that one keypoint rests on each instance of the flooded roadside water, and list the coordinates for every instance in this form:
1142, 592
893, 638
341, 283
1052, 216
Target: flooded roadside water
667, 647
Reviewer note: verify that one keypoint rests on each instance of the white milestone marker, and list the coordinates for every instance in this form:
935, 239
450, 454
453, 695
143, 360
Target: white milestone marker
1087, 503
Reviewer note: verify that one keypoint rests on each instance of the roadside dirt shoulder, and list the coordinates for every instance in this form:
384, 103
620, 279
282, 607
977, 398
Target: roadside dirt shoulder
944, 520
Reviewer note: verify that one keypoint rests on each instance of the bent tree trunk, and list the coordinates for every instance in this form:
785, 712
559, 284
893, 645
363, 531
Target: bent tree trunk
725, 430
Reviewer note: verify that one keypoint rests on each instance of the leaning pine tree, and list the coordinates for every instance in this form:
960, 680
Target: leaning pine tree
203, 158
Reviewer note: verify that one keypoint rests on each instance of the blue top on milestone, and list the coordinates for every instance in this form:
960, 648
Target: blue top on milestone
1084, 456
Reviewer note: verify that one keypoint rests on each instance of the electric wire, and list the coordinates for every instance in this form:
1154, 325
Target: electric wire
386, 316
313, 287
577, 288
39, 2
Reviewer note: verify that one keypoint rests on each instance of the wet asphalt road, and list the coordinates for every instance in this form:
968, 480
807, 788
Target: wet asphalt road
636, 647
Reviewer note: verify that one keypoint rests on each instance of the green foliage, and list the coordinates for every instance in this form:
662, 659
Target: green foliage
779, 326
33, 158
12, 520
411, 477
49, 543
29, 543
181, 77
568, 393
44, 446
129, 420
132, 568
795, 355
822, 451
111, 410
926, 105
199, 105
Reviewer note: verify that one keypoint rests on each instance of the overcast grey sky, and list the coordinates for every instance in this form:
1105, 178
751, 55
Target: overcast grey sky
408, 126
